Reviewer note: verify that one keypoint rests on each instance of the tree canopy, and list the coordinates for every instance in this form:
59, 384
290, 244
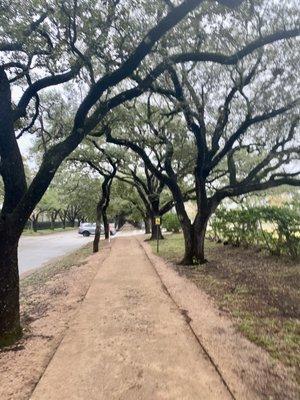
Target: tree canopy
218, 81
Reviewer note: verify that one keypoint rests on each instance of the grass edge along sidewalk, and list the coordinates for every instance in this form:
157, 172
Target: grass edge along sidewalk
260, 293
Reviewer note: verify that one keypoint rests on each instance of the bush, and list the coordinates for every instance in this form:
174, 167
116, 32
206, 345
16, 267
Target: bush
273, 228
171, 223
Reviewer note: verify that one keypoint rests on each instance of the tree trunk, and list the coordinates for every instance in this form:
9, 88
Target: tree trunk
117, 218
194, 236
186, 225
155, 231
200, 227
120, 221
189, 251
98, 227
10, 329
97, 237
34, 224
63, 217
147, 223
71, 222
106, 224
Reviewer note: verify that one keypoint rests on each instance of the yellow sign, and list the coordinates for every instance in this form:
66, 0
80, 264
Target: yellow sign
157, 221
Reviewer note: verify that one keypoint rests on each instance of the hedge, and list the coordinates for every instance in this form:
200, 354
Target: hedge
276, 229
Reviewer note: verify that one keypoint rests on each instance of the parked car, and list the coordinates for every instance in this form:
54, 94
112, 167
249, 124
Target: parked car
88, 228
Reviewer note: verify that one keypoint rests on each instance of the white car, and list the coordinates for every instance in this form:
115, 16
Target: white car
88, 228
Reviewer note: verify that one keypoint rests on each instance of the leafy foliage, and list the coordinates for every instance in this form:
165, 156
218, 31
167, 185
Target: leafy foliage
276, 229
171, 222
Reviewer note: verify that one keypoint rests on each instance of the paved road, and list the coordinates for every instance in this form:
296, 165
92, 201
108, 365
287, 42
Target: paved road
35, 251
129, 341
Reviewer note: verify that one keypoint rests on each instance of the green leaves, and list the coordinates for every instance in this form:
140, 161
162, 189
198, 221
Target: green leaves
171, 222
276, 229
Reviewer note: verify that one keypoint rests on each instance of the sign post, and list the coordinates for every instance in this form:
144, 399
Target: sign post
157, 224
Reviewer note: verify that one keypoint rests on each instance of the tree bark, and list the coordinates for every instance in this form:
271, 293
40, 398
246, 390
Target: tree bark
52, 222
98, 228
13, 175
34, 223
155, 231
186, 225
106, 224
10, 328
101, 206
121, 221
200, 226
63, 217
72, 222
194, 236
188, 235
147, 223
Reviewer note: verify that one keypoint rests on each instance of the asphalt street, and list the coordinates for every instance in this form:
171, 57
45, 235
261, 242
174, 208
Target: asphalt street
35, 251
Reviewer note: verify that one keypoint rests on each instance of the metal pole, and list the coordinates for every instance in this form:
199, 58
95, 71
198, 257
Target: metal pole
157, 235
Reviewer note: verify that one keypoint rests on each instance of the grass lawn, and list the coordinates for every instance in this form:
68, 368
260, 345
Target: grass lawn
261, 292
29, 232
34, 285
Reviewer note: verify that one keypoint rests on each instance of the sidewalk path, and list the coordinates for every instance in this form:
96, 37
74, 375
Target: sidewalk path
129, 341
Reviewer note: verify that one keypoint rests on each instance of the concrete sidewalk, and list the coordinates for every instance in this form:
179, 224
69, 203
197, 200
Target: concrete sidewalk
129, 341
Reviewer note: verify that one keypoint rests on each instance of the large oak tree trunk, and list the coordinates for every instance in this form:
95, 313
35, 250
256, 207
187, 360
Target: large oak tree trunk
10, 328
189, 251
194, 236
155, 231
147, 223
200, 226
186, 226
13, 176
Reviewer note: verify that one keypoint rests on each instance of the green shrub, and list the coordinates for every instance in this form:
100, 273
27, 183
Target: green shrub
171, 223
276, 229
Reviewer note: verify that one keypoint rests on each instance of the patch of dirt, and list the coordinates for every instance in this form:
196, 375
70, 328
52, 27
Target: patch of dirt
274, 281
250, 372
49, 300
